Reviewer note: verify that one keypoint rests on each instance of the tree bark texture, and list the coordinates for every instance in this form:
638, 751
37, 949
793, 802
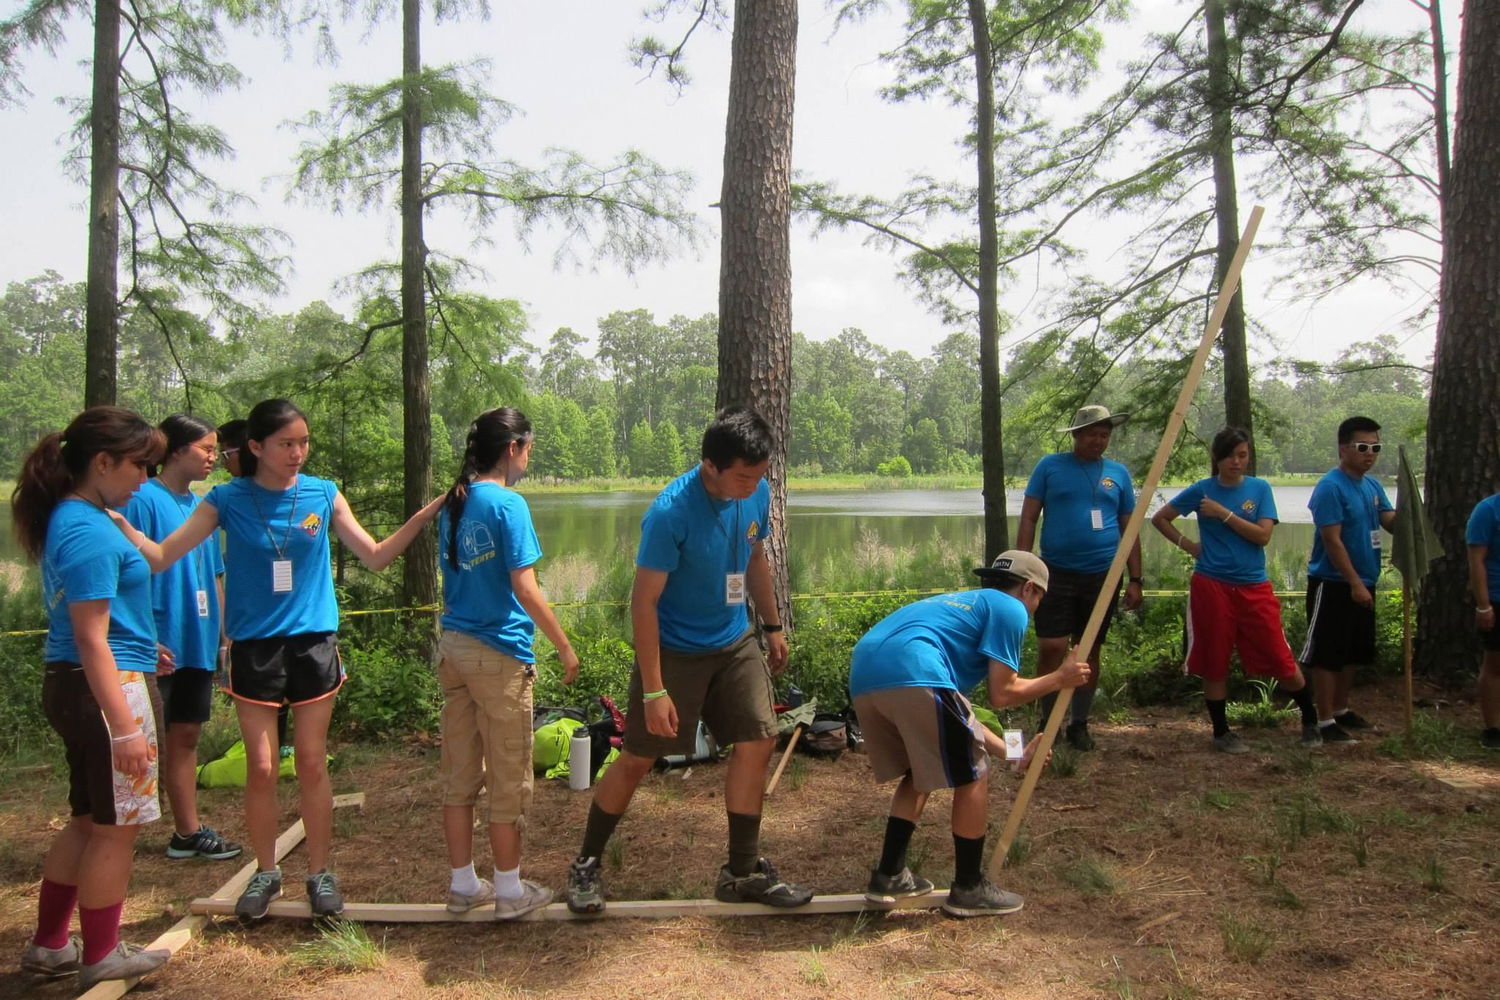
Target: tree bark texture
419, 572
1227, 219
992, 455
102, 310
1463, 416
755, 268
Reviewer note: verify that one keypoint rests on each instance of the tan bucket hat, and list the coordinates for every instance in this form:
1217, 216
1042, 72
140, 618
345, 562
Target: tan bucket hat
1095, 414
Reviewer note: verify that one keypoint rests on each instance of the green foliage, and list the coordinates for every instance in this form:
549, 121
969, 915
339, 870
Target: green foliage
1244, 940
341, 944
389, 693
1092, 876
1262, 712
896, 468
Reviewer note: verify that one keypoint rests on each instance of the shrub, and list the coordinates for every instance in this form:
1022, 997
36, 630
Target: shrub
389, 692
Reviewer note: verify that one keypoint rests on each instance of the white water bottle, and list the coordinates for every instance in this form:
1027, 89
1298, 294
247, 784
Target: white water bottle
579, 763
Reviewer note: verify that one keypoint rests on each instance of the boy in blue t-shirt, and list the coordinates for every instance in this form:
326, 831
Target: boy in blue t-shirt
1349, 510
1483, 538
909, 679
700, 557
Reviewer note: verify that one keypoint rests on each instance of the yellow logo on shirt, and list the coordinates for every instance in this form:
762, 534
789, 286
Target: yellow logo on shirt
1248, 506
1107, 484
311, 523
753, 531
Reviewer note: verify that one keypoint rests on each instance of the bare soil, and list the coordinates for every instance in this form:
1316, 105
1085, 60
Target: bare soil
1158, 869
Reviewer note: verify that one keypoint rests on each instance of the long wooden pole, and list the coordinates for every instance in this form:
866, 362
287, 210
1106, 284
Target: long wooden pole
1129, 535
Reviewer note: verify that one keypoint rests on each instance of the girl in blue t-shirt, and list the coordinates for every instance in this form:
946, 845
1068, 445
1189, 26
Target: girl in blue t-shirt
1231, 604
98, 692
492, 604
282, 620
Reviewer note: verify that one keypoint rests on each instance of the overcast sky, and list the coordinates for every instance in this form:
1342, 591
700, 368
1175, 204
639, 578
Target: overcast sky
564, 64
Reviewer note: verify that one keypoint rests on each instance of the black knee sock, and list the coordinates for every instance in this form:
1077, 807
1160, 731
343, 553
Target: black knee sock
897, 838
596, 833
744, 843
1083, 701
1303, 699
968, 860
1216, 715
1044, 710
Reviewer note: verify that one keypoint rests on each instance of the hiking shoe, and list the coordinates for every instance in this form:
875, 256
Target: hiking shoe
126, 961
1336, 734
761, 886
585, 886
1230, 742
1311, 736
53, 963
323, 894
1078, 736
533, 897
983, 900
263, 890
1490, 738
889, 888
1352, 720
206, 844
463, 902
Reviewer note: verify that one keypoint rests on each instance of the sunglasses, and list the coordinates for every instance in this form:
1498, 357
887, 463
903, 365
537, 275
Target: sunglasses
1365, 446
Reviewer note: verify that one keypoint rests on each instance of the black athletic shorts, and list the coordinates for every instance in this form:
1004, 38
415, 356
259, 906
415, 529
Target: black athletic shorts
187, 695
290, 669
1340, 633
1069, 601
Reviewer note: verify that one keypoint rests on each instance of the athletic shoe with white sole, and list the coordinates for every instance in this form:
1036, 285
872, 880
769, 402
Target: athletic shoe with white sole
205, 844
886, 889
533, 897
983, 900
126, 961
53, 963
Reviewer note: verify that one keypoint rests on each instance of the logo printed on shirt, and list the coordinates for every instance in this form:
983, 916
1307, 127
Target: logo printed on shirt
752, 531
311, 523
1248, 506
1108, 484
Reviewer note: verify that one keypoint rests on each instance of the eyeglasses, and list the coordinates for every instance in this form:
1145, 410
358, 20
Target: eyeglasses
1365, 446
229, 451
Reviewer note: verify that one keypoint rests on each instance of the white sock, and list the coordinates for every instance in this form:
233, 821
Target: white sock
508, 884
463, 880
1324, 723
1340, 711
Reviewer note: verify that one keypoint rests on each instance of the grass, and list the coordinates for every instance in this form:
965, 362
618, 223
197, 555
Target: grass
1220, 799
1064, 763
1432, 738
1019, 851
614, 853
1260, 713
1433, 874
1244, 941
340, 944
796, 773
812, 967
1092, 877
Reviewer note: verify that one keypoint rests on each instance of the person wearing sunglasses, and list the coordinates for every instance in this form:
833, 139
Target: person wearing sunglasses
1349, 510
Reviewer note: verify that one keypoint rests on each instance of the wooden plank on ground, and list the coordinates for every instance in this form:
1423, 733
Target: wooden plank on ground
176, 937
427, 913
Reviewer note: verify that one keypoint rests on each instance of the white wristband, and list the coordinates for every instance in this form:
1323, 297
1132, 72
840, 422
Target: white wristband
127, 737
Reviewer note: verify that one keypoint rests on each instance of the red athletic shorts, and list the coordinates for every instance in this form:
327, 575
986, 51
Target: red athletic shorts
1225, 616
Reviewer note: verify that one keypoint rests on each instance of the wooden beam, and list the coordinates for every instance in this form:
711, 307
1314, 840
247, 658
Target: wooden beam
791, 745
437, 913
175, 938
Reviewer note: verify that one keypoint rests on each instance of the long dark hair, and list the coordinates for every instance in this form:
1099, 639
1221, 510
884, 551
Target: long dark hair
60, 461
181, 430
1223, 445
268, 417
490, 436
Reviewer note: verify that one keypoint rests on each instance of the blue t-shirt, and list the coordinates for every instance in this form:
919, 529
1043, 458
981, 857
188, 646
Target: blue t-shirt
1484, 529
945, 641
193, 638
1070, 491
263, 526
1355, 504
697, 540
86, 558
495, 537
1226, 556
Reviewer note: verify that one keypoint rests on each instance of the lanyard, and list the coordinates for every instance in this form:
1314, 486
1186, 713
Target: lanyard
1093, 483
187, 512
734, 549
291, 518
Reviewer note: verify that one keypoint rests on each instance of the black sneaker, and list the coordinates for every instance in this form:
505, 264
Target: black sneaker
263, 890
1490, 738
323, 895
1352, 720
206, 844
1336, 734
983, 900
585, 890
1078, 736
886, 889
1311, 736
761, 886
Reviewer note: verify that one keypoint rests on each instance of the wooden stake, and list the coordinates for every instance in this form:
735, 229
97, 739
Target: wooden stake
1129, 535
791, 745
437, 913
175, 938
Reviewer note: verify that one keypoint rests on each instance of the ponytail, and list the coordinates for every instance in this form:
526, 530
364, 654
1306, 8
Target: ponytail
43, 482
490, 437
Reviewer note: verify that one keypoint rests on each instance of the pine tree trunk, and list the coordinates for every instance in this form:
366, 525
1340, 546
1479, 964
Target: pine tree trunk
1463, 416
102, 311
992, 454
755, 268
419, 572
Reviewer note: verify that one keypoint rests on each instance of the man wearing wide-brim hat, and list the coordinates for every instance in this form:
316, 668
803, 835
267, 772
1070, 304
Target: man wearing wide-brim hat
1084, 501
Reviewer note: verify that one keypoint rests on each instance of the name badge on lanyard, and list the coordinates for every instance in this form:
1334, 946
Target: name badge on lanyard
202, 604
734, 588
1375, 539
1096, 519
281, 576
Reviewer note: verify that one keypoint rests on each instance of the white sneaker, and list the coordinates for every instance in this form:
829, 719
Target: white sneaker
463, 902
53, 963
126, 961
533, 897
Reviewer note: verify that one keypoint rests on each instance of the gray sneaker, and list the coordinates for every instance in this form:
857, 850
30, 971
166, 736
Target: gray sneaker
1230, 742
323, 895
886, 889
463, 902
263, 890
533, 897
126, 961
53, 963
761, 886
1310, 735
983, 900
585, 886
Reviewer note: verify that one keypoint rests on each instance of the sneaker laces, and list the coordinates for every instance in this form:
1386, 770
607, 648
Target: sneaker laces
323, 882
261, 882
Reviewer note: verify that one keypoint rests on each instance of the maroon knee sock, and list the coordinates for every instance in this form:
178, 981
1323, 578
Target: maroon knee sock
54, 913
101, 930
